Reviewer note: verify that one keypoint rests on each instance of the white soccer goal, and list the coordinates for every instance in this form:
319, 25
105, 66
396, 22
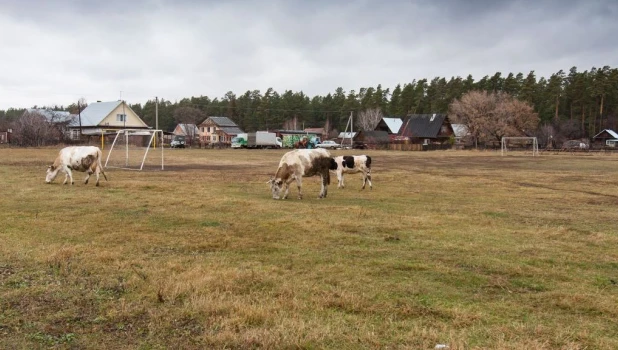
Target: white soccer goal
524, 142
130, 150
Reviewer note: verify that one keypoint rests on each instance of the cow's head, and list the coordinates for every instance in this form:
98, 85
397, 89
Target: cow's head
276, 185
333, 164
52, 172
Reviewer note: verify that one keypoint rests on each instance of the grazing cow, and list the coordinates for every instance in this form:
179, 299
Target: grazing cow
352, 165
79, 158
295, 165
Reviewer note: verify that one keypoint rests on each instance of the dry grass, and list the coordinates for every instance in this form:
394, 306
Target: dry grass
468, 249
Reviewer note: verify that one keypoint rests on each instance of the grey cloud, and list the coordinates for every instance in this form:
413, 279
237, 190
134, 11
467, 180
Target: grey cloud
176, 49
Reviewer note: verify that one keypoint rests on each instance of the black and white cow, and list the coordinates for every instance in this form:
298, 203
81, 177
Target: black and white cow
295, 165
79, 158
352, 165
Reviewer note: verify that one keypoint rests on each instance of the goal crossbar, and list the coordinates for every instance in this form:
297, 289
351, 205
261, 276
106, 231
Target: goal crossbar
136, 132
535, 144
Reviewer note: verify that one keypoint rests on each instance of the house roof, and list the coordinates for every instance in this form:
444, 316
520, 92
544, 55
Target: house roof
609, 131
422, 125
221, 121
186, 127
94, 114
318, 130
393, 124
347, 135
460, 130
52, 116
231, 130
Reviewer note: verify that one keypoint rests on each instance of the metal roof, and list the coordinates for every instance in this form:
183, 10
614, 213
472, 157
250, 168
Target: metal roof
186, 127
609, 131
460, 130
221, 121
231, 130
52, 116
393, 124
422, 125
347, 135
94, 114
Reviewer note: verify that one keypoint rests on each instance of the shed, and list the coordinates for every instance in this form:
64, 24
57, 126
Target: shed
606, 138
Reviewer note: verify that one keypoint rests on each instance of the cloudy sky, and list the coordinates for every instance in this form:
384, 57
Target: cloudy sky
54, 52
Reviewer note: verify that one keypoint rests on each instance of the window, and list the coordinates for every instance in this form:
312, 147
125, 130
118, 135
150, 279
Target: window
121, 117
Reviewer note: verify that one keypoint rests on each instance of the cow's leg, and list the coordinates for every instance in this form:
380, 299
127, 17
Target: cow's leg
66, 178
299, 184
97, 172
368, 178
324, 189
88, 173
68, 173
340, 179
364, 179
287, 188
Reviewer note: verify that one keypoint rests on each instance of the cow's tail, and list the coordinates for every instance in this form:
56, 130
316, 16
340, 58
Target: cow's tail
100, 165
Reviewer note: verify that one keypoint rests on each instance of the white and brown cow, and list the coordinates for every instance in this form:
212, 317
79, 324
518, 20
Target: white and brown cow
352, 165
79, 158
295, 165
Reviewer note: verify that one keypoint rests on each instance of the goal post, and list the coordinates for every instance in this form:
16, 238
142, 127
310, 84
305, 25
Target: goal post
533, 141
130, 149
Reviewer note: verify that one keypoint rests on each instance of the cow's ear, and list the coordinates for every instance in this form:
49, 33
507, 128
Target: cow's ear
51, 167
280, 182
270, 181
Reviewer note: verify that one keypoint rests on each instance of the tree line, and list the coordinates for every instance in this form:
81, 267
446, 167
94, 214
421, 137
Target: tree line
585, 101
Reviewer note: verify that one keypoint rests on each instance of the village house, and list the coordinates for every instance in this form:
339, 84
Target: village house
606, 138
191, 132
390, 125
426, 129
104, 119
218, 130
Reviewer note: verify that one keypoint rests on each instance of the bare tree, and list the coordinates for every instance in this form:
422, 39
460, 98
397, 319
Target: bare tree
491, 116
190, 117
369, 118
33, 129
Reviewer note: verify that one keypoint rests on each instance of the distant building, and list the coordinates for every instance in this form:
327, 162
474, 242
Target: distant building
462, 135
190, 131
426, 129
5, 135
102, 118
389, 125
321, 132
371, 139
606, 138
218, 130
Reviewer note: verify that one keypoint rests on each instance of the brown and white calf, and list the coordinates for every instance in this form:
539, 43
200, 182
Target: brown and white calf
79, 158
295, 165
352, 165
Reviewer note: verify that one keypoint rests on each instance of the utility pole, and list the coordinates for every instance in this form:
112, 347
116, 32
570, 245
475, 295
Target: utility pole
79, 114
156, 113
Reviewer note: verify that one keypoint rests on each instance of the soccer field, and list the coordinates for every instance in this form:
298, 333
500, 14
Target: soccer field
468, 249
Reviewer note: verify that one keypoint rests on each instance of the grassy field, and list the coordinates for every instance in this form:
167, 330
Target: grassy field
467, 249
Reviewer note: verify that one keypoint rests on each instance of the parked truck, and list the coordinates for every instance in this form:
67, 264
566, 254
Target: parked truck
263, 139
240, 141
260, 139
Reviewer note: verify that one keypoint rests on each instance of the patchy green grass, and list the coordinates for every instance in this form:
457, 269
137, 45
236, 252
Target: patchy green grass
468, 249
